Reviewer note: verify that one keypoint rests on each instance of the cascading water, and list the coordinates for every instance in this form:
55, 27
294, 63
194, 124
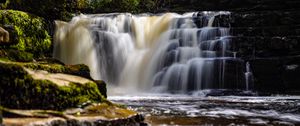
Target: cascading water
248, 76
165, 53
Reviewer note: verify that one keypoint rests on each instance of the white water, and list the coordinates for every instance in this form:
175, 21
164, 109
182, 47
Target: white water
270, 110
248, 76
155, 53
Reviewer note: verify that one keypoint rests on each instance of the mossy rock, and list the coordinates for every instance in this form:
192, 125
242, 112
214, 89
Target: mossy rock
31, 32
16, 55
57, 67
19, 90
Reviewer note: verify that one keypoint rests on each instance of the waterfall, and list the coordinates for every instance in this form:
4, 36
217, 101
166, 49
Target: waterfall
159, 53
248, 76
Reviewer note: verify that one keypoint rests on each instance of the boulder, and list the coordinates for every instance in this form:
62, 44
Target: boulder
96, 114
23, 87
16, 55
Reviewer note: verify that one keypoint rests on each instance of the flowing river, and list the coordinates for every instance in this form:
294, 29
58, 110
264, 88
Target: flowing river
167, 109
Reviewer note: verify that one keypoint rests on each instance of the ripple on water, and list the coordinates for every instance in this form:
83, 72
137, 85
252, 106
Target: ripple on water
187, 110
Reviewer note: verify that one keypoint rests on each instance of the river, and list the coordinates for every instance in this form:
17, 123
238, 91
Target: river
166, 109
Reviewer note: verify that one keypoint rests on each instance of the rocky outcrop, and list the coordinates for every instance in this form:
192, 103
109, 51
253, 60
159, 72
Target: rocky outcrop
270, 41
4, 36
94, 115
25, 86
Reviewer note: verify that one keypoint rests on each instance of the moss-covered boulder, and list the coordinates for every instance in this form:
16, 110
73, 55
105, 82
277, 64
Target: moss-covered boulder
25, 88
16, 55
30, 30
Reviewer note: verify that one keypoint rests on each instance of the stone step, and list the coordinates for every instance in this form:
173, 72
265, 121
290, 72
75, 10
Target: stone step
258, 19
258, 46
266, 31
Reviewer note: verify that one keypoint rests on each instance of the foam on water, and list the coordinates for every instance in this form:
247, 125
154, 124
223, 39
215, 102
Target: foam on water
256, 110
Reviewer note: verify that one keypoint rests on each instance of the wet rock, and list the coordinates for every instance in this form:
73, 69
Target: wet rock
26, 88
249, 47
94, 115
16, 55
258, 19
229, 92
277, 75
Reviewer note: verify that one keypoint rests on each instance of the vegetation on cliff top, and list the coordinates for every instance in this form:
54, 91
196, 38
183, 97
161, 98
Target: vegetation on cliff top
63, 9
30, 30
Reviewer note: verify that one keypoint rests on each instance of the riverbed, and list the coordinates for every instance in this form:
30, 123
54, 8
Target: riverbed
167, 109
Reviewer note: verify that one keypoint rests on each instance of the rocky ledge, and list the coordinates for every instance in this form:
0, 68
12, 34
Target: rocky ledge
92, 115
42, 93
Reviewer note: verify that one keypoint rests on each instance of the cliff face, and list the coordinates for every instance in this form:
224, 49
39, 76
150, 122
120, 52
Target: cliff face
269, 40
266, 34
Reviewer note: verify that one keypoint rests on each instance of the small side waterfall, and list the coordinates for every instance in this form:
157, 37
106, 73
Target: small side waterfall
165, 53
248, 76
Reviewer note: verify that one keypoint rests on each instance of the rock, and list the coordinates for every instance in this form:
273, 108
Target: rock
16, 55
277, 74
97, 114
26, 88
270, 40
4, 36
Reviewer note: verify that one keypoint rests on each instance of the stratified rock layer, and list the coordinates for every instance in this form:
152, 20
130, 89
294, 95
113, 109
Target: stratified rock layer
25, 86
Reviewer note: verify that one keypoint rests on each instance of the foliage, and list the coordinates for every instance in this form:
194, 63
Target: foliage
30, 29
16, 55
63, 9
49, 9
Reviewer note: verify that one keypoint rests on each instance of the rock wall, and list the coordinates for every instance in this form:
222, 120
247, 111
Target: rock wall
270, 41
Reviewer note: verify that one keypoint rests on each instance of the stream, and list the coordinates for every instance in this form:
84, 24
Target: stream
166, 109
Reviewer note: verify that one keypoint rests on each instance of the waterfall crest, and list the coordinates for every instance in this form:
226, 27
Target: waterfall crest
165, 53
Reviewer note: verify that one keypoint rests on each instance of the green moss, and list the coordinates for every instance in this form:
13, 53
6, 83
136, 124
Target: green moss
19, 90
4, 5
79, 70
30, 30
16, 55
52, 68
